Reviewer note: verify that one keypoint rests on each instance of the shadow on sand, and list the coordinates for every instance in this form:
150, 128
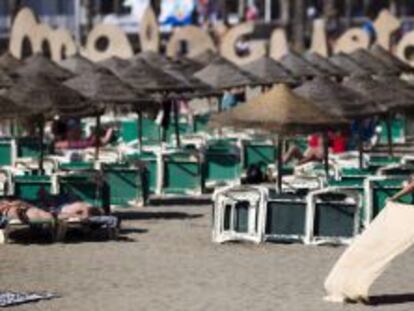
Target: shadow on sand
138, 215
393, 299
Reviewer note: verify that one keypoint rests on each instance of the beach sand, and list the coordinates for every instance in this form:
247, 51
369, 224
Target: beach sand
166, 261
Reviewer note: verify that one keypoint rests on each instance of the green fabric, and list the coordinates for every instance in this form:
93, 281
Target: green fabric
150, 161
384, 189
5, 153
84, 187
181, 174
259, 154
76, 165
28, 188
241, 217
285, 218
201, 123
28, 147
398, 126
221, 163
150, 131
126, 184
334, 219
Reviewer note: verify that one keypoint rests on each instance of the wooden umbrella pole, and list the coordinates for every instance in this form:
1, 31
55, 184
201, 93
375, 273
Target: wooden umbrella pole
389, 135
97, 137
176, 123
326, 153
41, 138
139, 129
279, 163
360, 146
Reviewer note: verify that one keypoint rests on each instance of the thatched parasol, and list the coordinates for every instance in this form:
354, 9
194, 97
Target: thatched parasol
391, 60
9, 63
45, 98
205, 57
348, 65
337, 99
10, 110
77, 64
6, 80
374, 64
324, 64
388, 96
270, 71
396, 83
40, 65
300, 67
145, 77
176, 70
222, 74
280, 111
188, 66
115, 64
102, 87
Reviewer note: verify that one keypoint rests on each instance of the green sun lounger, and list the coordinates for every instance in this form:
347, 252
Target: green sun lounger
128, 186
182, 173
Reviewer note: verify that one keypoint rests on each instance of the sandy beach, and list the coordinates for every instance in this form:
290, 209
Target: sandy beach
165, 261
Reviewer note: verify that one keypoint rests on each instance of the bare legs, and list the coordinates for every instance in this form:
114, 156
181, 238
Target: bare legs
311, 154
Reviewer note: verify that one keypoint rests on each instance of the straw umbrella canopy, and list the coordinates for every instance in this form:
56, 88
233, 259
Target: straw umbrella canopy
5, 79
195, 87
115, 64
374, 64
389, 97
9, 63
11, 110
77, 64
348, 65
337, 99
300, 67
396, 83
176, 70
223, 74
40, 65
103, 87
205, 58
44, 98
188, 66
270, 71
391, 60
145, 77
324, 64
279, 111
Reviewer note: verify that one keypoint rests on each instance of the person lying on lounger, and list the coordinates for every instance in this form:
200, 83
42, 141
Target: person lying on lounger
25, 212
17, 209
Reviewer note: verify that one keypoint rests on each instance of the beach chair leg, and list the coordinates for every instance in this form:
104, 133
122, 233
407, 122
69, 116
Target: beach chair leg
4, 236
60, 231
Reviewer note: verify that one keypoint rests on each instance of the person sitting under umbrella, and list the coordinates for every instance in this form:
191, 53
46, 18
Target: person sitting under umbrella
337, 144
69, 136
